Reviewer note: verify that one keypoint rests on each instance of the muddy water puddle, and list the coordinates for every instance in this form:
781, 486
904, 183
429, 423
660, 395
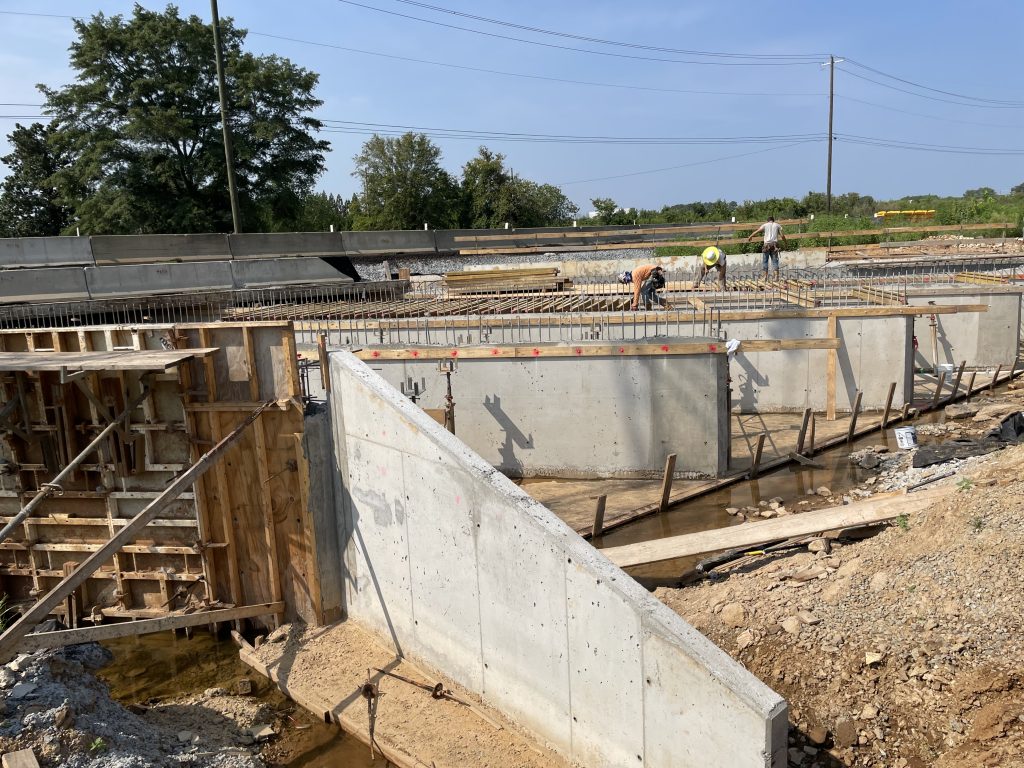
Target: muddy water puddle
168, 665
793, 484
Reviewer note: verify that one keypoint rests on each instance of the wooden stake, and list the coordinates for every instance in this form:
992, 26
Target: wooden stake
666, 481
906, 411
992, 384
938, 390
810, 436
755, 462
830, 372
803, 430
599, 517
888, 405
956, 382
325, 368
853, 416
11, 638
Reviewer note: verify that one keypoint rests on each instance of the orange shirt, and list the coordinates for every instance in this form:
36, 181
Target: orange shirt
639, 275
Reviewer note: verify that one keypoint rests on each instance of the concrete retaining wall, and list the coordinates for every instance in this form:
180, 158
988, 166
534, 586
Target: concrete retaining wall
52, 284
261, 273
149, 279
22, 252
982, 339
453, 565
583, 416
875, 352
146, 249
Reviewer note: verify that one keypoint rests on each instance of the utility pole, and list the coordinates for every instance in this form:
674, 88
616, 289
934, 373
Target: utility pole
831, 104
229, 155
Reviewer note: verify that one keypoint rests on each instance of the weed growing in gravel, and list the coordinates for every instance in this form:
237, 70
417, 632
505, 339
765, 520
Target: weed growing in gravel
965, 484
903, 521
98, 745
977, 523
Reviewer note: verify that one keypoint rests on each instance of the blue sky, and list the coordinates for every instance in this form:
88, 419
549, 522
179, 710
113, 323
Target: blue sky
950, 46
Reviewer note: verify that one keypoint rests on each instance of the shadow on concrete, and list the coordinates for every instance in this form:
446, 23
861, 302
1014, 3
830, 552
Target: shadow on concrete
514, 438
748, 393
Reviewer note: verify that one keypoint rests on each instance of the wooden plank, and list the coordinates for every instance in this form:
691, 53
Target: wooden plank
266, 504
755, 461
598, 527
125, 360
808, 414
34, 642
875, 510
22, 758
666, 480
830, 372
15, 632
853, 416
888, 405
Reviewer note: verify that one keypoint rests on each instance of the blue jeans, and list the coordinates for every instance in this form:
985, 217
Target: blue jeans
770, 253
648, 294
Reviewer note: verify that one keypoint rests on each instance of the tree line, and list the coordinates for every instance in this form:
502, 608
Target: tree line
135, 146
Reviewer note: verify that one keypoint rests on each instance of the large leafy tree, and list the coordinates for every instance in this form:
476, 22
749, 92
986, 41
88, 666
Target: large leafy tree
29, 205
483, 179
404, 185
142, 124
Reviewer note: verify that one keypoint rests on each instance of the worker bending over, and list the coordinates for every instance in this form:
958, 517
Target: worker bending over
770, 249
711, 258
647, 281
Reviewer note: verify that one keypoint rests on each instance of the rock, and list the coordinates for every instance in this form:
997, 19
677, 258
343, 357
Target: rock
995, 411
262, 732
817, 735
185, 737
768, 513
872, 659
775, 500
243, 687
7, 678
849, 568
834, 592
732, 510
744, 639
845, 733
824, 491
879, 581
808, 618
212, 693
279, 635
64, 718
818, 545
21, 690
811, 572
961, 410
869, 712
734, 615
792, 625
869, 461
796, 756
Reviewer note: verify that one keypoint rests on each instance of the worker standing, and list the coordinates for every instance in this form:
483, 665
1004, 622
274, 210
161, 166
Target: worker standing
647, 281
770, 249
711, 258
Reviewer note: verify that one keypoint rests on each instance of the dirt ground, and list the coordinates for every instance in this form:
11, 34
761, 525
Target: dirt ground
904, 649
331, 665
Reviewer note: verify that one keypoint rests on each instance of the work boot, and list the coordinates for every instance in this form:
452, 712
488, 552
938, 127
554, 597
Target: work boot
776, 278
764, 277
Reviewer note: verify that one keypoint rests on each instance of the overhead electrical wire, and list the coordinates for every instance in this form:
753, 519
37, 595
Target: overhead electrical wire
843, 97
966, 97
922, 147
816, 57
579, 50
924, 95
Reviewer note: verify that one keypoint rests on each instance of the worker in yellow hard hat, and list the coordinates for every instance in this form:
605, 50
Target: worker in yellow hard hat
711, 258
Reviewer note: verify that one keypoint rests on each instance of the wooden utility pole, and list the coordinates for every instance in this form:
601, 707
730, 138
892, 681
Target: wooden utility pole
229, 155
831, 105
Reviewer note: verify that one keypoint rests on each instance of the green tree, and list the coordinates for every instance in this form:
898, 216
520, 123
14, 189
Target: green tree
483, 179
1017, 190
29, 205
319, 211
404, 185
608, 211
142, 125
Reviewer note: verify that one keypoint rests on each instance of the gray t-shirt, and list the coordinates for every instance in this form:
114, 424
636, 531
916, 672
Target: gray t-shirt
771, 232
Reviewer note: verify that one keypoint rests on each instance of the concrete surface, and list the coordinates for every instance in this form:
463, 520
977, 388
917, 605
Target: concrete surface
149, 279
583, 416
266, 272
52, 283
454, 566
20, 252
982, 339
147, 249
263, 245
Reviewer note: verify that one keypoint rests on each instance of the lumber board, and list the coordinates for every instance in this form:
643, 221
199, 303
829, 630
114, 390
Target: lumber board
875, 510
831, 365
57, 639
125, 360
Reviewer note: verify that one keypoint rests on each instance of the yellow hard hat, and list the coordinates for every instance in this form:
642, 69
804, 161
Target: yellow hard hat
711, 255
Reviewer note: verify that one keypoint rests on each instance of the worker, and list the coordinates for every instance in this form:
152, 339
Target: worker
711, 258
770, 249
647, 281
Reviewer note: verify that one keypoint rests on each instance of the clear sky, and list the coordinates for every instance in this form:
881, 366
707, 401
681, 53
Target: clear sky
960, 48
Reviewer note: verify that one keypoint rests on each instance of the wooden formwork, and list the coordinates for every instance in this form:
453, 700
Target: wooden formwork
242, 537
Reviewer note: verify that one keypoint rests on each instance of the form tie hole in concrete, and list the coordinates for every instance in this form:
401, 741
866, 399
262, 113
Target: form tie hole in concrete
570, 559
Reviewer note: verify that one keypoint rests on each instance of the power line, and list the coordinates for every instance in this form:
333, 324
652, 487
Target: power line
1001, 102
926, 96
524, 75
574, 49
929, 117
688, 165
923, 147
813, 56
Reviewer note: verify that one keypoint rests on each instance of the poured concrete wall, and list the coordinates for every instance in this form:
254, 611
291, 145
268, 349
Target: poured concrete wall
875, 352
982, 339
583, 416
453, 565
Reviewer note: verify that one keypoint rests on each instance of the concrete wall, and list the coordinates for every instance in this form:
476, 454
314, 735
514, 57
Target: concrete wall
149, 279
982, 339
875, 352
583, 416
21, 252
453, 565
58, 283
